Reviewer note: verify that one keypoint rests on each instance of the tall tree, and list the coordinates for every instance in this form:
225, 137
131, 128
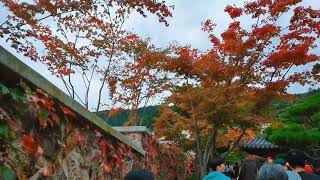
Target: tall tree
137, 84
86, 38
246, 68
299, 125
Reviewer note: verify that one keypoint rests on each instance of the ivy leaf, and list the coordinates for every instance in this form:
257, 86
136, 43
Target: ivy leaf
4, 130
4, 89
1, 117
6, 173
67, 111
25, 87
29, 144
18, 95
103, 147
43, 118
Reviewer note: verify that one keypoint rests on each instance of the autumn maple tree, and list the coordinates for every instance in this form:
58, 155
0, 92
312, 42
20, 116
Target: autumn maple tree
79, 41
233, 83
137, 84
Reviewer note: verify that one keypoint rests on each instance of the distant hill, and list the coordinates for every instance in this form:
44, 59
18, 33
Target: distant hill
146, 116
313, 91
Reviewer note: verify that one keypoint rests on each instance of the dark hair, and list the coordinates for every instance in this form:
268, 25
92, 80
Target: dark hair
280, 161
296, 158
139, 175
272, 172
248, 170
213, 163
316, 163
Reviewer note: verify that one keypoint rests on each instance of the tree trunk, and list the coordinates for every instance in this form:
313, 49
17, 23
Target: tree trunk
203, 171
209, 149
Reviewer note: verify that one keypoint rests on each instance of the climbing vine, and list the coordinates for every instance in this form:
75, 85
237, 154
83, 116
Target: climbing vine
41, 137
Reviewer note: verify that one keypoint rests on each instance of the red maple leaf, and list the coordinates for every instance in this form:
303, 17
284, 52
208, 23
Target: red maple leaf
67, 111
103, 147
29, 144
97, 133
107, 167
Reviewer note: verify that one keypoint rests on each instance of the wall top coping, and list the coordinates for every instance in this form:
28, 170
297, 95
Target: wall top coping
131, 129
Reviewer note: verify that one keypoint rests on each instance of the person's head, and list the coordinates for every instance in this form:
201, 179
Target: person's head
272, 172
296, 158
248, 170
216, 164
316, 165
139, 175
269, 160
281, 162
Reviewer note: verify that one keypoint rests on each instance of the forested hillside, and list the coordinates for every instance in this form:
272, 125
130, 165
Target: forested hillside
146, 116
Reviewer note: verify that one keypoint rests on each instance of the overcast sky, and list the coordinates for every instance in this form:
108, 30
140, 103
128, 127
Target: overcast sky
185, 28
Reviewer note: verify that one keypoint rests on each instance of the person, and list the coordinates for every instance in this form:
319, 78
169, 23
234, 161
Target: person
216, 169
309, 168
316, 166
292, 175
272, 172
228, 170
281, 162
297, 159
236, 169
140, 174
248, 170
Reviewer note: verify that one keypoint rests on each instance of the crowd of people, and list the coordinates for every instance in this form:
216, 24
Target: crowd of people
294, 167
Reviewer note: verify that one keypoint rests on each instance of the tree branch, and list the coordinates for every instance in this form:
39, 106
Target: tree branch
235, 144
287, 72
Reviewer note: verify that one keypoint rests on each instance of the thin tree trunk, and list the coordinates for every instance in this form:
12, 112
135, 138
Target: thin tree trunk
210, 146
199, 154
105, 77
89, 84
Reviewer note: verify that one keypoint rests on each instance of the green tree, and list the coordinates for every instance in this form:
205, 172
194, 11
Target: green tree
299, 125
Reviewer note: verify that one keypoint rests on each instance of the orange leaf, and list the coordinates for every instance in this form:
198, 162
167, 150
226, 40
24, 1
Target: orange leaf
67, 111
115, 111
54, 116
81, 138
107, 167
103, 147
29, 144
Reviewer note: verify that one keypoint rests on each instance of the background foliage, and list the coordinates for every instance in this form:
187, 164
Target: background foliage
298, 124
